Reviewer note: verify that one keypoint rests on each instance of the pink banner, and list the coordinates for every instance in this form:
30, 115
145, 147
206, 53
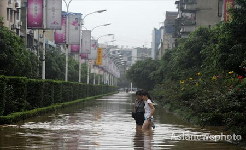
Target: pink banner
93, 54
74, 20
35, 14
60, 35
74, 48
83, 56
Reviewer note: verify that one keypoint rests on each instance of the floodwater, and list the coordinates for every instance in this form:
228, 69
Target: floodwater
106, 124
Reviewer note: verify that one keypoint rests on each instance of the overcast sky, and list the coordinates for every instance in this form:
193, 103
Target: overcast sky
132, 21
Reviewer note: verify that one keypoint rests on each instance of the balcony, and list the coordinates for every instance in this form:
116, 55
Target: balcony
187, 22
187, 29
190, 7
189, 1
188, 19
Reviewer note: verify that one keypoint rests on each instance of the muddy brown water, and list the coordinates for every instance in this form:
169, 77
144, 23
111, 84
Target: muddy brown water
106, 124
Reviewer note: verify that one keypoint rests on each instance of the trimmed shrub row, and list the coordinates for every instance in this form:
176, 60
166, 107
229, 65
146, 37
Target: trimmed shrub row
19, 116
18, 94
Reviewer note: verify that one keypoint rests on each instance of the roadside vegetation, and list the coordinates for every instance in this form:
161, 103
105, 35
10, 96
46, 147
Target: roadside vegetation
16, 60
203, 78
22, 92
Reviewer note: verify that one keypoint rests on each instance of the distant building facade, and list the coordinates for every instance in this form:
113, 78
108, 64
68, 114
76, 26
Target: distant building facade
195, 13
10, 11
156, 37
168, 32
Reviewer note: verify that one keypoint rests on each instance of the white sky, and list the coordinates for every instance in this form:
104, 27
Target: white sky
132, 21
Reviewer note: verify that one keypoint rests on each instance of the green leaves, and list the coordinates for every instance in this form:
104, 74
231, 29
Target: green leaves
216, 96
14, 58
141, 74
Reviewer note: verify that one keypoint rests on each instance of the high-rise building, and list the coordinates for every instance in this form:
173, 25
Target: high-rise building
156, 37
167, 33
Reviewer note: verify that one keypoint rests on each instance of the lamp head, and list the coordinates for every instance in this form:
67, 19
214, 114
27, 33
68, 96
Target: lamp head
100, 11
107, 24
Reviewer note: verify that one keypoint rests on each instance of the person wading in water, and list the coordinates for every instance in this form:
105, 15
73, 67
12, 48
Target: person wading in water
149, 110
139, 110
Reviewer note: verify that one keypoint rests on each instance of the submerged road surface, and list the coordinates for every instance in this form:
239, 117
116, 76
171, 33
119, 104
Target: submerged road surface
106, 123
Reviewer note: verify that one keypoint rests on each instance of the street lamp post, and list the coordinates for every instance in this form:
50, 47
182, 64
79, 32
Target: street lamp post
67, 6
100, 26
94, 74
104, 74
104, 36
82, 20
98, 11
43, 57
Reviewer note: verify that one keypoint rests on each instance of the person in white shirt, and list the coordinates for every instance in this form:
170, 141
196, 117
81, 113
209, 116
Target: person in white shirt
149, 111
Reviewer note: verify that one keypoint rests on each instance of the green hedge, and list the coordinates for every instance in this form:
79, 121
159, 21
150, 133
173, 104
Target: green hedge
19, 116
18, 94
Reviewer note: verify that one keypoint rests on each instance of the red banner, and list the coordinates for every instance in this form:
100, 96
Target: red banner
227, 6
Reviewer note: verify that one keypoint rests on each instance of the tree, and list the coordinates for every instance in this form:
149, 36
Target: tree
14, 58
55, 66
140, 73
232, 41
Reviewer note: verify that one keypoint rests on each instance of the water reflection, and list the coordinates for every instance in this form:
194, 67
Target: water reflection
105, 123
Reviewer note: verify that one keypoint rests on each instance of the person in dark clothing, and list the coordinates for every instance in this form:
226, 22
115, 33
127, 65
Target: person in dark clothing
139, 109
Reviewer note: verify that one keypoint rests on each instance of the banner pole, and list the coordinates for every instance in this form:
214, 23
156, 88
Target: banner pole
44, 46
43, 58
79, 68
88, 71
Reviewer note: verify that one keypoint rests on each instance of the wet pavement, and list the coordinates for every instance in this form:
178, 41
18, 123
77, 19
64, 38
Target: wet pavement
106, 124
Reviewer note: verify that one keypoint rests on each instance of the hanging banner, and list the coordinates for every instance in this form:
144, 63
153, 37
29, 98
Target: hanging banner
74, 20
93, 54
74, 48
99, 56
83, 56
227, 6
60, 35
86, 41
105, 61
53, 14
35, 14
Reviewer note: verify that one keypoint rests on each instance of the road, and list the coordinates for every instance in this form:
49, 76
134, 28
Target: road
105, 123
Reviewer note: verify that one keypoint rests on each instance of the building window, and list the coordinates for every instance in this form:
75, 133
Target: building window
8, 14
220, 8
190, 1
11, 15
188, 18
129, 59
18, 15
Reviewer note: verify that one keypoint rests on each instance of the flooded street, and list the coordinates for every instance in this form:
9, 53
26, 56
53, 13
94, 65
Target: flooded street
104, 123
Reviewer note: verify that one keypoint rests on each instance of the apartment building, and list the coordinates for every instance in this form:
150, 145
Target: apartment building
10, 12
13, 13
195, 13
167, 33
